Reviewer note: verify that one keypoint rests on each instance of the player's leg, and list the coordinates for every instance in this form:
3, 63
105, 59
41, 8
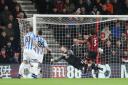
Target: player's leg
40, 59
34, 69
92, 59
26, 72
24, 69
35, 62
25, 64
21, 70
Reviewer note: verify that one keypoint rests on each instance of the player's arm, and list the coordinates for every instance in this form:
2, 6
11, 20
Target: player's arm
79, 41
58, 59
46, 46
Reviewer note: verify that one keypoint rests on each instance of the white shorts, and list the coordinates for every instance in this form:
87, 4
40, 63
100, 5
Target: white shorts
40, 57
29, 54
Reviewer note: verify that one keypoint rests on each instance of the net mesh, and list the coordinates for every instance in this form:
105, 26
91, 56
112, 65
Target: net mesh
67, 31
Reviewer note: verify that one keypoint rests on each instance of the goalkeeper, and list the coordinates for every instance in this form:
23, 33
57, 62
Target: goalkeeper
69, 56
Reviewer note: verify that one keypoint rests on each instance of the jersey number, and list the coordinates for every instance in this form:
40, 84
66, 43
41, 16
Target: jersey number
27, 39
40, 44
95, 42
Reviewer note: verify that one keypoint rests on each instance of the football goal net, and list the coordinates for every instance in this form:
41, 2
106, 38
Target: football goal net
70, 30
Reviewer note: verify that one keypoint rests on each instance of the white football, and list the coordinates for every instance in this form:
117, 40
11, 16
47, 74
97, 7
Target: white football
100, 50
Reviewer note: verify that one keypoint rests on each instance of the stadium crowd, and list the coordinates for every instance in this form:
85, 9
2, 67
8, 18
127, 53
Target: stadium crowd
9, 31
83, 7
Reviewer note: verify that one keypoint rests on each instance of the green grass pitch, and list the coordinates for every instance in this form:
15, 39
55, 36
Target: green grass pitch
51, 81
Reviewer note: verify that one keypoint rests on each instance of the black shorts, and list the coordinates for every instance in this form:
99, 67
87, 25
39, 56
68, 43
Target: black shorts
92, 55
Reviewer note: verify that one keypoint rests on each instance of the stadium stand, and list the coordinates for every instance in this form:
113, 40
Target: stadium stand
85, 7
9, 31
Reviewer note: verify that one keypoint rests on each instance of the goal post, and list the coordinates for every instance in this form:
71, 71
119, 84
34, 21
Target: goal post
67, 30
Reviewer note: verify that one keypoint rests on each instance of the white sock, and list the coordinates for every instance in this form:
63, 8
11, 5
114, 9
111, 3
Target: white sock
27, 67
35, 69
21, 69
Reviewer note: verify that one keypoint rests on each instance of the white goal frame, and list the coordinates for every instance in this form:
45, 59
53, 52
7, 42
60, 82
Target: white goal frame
123, 17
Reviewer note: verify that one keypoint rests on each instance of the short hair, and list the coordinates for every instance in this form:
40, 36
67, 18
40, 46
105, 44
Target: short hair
29, 29
40, 32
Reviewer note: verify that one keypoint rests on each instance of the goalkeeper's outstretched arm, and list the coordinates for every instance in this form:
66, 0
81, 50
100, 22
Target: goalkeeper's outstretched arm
57, 60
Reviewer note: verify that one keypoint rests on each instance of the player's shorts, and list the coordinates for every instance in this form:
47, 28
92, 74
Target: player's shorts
92, 55
40, 57
29, 54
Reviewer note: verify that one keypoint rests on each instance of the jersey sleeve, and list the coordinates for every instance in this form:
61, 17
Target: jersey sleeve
43, 43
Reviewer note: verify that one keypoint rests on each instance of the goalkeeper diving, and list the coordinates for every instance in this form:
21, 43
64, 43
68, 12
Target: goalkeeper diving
69, 56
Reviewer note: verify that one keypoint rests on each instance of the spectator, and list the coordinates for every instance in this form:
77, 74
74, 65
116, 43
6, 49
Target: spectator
109, 7
3, 40
59, 4
17, 57
95, 11
83, 11
89, 6
9, 52
21, 15
125, 57
126, 31
107, 53
5, 15
54, 11
116, 32
115, 6
98, 5
11, 4
69, 6
105, 33
2, 5
117, 53
9, 30
16, 10
64, 11
10, 18
3, 56
78, 11
104, 10
80, 4
126, 7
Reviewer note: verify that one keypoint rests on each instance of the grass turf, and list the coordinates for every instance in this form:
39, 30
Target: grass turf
51, 81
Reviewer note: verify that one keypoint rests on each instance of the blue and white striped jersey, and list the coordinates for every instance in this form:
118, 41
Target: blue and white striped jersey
28, 40
42, 43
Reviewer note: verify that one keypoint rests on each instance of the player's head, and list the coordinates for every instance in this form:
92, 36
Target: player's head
93, 32
39, 32
29, 29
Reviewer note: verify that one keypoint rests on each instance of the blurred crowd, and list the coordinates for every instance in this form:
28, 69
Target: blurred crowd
84, 7
10, 10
